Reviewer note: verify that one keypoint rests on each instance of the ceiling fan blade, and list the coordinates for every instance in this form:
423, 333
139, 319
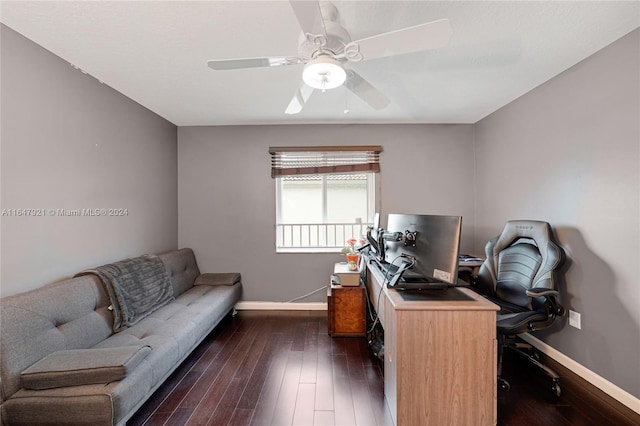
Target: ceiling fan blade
309, 16
430, 35
365, 91
299, 99
233, 64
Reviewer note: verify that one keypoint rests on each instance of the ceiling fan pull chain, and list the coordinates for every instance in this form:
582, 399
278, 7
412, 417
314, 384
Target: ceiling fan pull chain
346, 103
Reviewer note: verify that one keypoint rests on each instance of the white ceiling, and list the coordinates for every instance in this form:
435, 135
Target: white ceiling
156, 53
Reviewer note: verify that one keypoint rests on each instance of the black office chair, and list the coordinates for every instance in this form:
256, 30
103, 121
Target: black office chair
519, 276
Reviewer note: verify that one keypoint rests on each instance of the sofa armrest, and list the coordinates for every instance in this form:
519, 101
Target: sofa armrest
229, 278
78, 367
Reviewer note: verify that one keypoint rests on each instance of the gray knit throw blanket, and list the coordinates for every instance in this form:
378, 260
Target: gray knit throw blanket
136, 287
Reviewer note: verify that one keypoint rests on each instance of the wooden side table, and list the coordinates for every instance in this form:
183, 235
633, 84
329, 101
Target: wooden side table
346, 311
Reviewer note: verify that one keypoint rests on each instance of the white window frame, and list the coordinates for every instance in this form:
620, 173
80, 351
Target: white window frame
371, 208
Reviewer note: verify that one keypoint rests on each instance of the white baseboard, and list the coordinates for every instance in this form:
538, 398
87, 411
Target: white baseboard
598, 381
281, 306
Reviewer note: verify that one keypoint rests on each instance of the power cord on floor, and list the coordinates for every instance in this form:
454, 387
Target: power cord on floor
306, 295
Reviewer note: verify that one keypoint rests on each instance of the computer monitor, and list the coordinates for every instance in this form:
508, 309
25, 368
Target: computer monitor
430, 242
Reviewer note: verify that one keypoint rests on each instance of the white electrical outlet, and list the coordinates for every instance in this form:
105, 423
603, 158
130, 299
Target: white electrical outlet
574, 319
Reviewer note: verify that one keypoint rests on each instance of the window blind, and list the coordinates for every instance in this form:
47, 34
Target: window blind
314, 160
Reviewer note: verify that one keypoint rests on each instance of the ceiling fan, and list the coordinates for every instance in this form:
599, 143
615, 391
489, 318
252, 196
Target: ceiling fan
325, 47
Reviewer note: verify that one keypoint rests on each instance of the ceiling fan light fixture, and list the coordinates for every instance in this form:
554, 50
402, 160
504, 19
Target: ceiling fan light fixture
324, 73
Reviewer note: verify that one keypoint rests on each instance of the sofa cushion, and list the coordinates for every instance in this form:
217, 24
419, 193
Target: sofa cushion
83, 366
182, 269
165, 351
218, 279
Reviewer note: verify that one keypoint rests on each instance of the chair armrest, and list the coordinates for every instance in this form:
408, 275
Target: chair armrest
552, 298
542, 292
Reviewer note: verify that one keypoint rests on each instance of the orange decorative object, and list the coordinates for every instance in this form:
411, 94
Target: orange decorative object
352, 260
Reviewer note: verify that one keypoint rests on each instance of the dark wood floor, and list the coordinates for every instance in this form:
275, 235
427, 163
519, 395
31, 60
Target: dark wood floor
281, 368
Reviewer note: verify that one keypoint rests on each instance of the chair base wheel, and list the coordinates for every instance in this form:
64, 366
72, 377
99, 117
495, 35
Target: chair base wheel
556, 389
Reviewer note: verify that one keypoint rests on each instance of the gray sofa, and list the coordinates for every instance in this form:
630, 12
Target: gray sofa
62, 363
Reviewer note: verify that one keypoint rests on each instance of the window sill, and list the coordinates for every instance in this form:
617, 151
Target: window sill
308, 250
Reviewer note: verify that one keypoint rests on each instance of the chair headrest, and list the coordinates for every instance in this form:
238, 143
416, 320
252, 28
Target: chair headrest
538, 231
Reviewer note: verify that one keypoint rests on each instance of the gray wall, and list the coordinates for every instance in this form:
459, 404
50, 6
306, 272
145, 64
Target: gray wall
69, 142
227, 197
568, 153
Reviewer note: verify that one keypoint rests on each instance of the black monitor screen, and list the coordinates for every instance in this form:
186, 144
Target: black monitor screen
432, 241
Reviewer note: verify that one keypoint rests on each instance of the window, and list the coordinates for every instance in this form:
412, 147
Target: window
324, 195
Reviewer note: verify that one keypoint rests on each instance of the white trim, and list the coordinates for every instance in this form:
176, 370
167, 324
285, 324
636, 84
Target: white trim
598, 381
281, 306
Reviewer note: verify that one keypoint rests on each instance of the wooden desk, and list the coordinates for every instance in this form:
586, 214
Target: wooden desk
440, 357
